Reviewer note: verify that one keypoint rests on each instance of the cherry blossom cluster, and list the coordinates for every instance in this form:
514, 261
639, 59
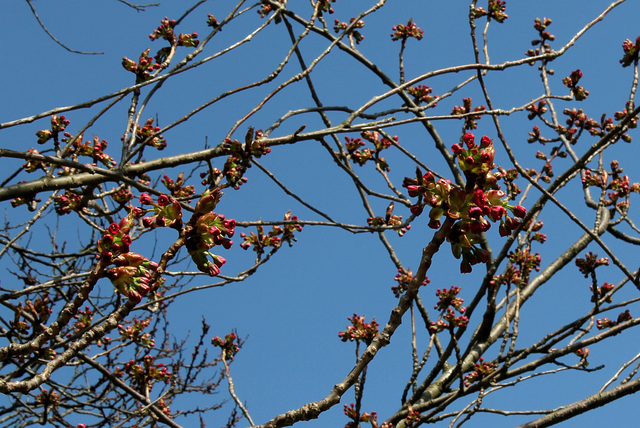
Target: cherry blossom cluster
475, 206
404, 278
143, 68
470, 120
229, 346
448, 304
68, 202
422, 94
522, 263
135, 332
177, 187
122, 195
133, 275
618, 185
165, 31
361, 157
209, 230
267, 8
601, 292
275, 237
571, 82
48, 398
93, 149
353, 33
167, 212
404, 32
541, 26
35, 313
58, 124
145, 375
83, 319
359, 330
631, 51
605, 323
149, 135
590, 263
480, 371
370, 418
239, 158
496, 11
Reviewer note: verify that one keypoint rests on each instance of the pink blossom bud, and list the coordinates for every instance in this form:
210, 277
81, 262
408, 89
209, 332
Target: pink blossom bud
519, 211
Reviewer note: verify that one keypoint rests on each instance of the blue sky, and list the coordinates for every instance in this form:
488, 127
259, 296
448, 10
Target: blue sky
293, 309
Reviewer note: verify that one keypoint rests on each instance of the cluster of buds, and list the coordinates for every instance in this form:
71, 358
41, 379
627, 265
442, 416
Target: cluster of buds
58, 124
212, 21
496, 11
36, 312
576, 121
143, 68
627, 111
267, 8
605, 323
590, 263
240, 156
422, 94
362, 156
619, 186
480, 203
93, 149
480, 371
601, 292
370, 418
49, 399
83, 319
210, 229
67, 202
149, 136
583, 353
631, 52
537, 110
541, 26
275, 237
353, 34
470, 119
116, 239
404, 278
134, 332
167, 212
389, 220
359, 330
229, 346
133, 275
33, 165
325, 6
571, 82
122, 195
403, 32
165, 31
177, 187
522, 264
448, 304
448, 298
144, 375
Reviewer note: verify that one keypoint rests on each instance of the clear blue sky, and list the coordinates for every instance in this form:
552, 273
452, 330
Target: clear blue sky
293, 309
